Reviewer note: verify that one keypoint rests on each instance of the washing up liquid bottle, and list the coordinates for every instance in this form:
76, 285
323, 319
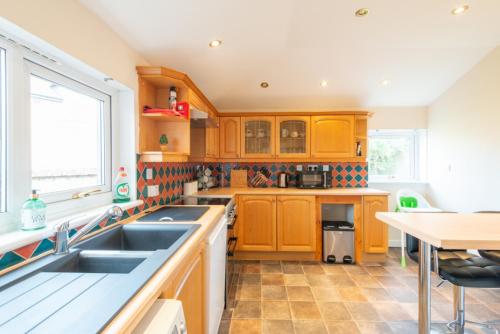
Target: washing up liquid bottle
121, 189
33, 213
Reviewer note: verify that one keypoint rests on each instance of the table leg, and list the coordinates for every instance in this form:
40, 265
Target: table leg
424, 288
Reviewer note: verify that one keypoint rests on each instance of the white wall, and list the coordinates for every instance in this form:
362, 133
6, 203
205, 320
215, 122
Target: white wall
464, 141
69, 26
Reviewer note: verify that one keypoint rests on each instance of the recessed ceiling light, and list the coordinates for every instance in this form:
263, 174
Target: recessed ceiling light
215, 43
460, 10
386, 82
361, 12
264, 84
323, 83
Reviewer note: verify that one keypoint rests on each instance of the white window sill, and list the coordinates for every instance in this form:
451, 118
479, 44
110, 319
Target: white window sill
17, 239
397, 182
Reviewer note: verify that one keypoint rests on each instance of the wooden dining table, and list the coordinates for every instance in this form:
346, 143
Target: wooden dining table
448, 231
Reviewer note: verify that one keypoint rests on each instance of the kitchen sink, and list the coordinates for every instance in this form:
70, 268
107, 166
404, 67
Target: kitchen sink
175, 214
138, 237
109, 262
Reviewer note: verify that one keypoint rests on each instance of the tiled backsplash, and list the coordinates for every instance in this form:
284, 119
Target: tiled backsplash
344, 174
170, 178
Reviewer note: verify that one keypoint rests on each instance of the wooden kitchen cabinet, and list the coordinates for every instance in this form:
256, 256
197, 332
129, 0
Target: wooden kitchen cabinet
229, 137
256, 226
293, 136
333, 136
296, 223
190, 292
375, 232
212, 142
257, 137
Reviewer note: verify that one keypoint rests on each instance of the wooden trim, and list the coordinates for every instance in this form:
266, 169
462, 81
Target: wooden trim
283, 256
295, 113
304, 160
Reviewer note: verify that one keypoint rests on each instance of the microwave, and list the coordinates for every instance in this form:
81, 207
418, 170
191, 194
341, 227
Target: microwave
314, 179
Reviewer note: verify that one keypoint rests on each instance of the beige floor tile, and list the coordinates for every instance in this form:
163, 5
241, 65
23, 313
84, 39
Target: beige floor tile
352, 294
313, 269
271, 268
292, 269
247, 310
354, 269
342, 327
251, 268
249, 292
341, 280
483, 295
247, 326
318, 280
295, 280
250, 279
374, 328
332, 311
363, 311
309, 327
403, 295
392, 312
272, 279
333, 269
411, 309
481, 313
377, 271
274, 292
224, 326
269, 261
406, 327
304, 310
299, 293
277, 327
390, 282
365, 281
278, 310
321, 293
377, 294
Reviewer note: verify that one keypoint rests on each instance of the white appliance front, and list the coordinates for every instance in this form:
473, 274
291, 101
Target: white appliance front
215, 258
164, 317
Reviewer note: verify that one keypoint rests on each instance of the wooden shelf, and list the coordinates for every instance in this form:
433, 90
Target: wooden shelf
164, 156
164, 117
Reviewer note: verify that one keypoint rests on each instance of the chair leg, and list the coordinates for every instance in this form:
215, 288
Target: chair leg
459, 307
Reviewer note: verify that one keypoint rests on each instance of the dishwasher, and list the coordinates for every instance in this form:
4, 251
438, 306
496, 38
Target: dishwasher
215, 282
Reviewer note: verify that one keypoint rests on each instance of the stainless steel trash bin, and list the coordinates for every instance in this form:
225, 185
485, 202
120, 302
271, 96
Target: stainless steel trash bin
338, 242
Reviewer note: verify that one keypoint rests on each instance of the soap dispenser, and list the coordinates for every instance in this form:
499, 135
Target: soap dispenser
33, 213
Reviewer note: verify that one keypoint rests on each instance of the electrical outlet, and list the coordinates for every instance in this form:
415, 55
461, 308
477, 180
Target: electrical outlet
153, 191
149, 173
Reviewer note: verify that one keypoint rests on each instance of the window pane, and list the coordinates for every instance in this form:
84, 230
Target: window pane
66, 137
390, 157
3, 107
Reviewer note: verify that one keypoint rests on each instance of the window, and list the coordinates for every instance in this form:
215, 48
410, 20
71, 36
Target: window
70, 136
3, 145
397, 155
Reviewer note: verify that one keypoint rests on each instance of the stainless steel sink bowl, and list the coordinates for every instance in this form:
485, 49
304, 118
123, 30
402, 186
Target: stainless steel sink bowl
139, 237
109, 262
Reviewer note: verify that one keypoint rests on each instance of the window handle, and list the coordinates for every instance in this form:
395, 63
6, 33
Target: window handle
84, 194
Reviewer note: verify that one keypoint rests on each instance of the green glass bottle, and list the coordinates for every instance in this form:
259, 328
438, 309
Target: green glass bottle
33, 213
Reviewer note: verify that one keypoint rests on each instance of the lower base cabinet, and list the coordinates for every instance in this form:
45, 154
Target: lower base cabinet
296, 224
375, 232
187, 287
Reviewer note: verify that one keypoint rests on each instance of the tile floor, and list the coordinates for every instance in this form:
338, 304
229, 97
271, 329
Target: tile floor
312, 297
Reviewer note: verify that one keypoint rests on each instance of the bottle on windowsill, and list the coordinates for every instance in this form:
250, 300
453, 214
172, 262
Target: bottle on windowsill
33, 213
121, 189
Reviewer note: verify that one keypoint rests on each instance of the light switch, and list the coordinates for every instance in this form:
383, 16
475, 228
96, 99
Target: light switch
149, 173
153, 191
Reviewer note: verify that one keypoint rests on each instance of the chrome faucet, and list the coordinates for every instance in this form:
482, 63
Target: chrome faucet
63, 242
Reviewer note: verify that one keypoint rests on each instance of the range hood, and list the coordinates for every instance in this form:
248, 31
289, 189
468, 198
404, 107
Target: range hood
201, 119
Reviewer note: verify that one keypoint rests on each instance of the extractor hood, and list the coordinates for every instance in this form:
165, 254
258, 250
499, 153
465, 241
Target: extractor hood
201, 119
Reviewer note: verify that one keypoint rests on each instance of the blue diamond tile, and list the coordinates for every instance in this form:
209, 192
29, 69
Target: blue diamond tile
10, 259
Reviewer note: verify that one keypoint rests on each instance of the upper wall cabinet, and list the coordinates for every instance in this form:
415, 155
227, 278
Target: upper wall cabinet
333, 136
229, 135
257, 137
293, 136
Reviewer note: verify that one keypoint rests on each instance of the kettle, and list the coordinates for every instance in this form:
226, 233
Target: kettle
283, 180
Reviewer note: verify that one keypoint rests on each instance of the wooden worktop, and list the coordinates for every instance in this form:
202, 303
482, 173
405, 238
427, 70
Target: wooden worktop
230, 192
133, 312
449, 230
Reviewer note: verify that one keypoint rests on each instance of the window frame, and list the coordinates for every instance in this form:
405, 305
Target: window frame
417, 154
3, 128
18, 139
44, 73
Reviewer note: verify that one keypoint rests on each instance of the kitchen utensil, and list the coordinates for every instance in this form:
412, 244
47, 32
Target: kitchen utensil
239, 178
261, 133
284, 133
283, 180
294, 134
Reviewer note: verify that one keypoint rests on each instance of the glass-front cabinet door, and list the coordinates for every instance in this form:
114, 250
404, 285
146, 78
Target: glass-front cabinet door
293, 136
257, 136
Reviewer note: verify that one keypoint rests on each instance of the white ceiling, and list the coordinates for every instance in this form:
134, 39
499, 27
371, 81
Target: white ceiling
417, 45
